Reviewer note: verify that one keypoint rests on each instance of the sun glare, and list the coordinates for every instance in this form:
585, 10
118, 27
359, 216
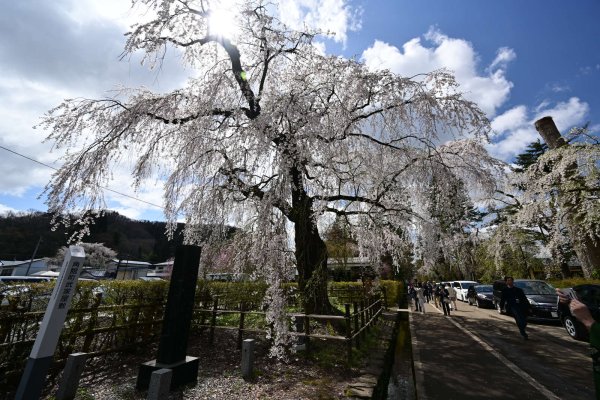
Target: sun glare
222, 22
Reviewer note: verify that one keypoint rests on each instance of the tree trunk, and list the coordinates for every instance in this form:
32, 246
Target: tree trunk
311, 251
311, 260
587, 248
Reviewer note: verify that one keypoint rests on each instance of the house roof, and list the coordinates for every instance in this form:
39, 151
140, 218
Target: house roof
131, 263
6, 263
165, 263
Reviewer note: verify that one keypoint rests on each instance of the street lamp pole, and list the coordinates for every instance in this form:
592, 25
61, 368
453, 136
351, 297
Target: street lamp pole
33, 256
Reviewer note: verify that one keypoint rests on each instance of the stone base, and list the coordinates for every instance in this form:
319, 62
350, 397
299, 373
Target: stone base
184, 372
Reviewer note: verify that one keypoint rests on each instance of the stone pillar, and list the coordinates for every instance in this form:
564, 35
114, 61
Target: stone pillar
549, 132
33, 379
176, 323
160, 382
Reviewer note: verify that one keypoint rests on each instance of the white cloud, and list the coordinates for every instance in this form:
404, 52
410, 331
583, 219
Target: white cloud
515, 128
335, 16
489, 90
558, 88
566, 114
504, 56
50, 51
4, 209
509, 120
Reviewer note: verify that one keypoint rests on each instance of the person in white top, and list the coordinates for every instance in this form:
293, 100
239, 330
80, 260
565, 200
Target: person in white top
452, 297
421, 299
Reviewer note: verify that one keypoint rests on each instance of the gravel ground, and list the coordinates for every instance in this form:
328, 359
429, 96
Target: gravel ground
220, 376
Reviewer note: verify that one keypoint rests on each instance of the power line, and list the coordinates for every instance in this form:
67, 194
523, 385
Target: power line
101, 187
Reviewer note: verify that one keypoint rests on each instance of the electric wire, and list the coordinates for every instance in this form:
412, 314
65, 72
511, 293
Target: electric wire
102, 187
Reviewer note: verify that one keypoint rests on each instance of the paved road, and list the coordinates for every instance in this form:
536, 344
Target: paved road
479, 354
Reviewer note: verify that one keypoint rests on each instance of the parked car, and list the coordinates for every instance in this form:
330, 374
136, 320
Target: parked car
481, 296
541, 295
461, 289
590, 296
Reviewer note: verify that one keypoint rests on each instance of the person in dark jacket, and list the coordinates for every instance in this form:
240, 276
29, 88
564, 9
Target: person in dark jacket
444, 297
517, 303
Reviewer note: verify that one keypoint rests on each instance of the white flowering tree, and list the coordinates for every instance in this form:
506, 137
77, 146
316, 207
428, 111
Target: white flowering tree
554, 199
274, 136
564, 183
97, 255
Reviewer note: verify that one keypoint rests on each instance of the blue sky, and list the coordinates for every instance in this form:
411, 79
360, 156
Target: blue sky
519, 60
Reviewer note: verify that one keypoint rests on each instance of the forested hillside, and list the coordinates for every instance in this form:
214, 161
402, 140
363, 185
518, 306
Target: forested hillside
131, 239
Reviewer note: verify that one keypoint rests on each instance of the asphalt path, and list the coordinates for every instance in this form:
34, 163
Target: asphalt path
479, 354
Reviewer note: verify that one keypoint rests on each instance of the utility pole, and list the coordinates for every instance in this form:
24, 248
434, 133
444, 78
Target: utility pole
33, 256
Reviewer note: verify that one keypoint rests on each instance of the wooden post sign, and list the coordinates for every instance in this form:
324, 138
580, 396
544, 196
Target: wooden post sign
40, 359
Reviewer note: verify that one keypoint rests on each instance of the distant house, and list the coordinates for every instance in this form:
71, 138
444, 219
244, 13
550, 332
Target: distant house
162, 270
127, 269
22, 268
350, 268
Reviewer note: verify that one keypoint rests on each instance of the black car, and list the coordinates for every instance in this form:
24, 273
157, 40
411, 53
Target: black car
588, 295
541, 295
481, 296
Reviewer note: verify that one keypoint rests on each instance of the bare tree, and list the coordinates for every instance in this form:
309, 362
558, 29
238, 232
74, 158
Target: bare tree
274, 136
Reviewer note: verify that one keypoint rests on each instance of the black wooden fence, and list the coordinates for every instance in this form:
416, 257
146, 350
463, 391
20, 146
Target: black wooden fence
99, 329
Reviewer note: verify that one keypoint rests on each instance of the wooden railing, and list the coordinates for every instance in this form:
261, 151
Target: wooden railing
102, 329
357, 319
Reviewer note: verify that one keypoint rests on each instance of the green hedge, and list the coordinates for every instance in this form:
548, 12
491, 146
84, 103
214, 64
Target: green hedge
565, 283
394, 291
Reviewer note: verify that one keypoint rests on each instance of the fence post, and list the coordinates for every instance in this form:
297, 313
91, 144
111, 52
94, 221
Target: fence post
213, 320
362, 318
241, 326
384, 291
348, 331
356, 328
71, 375
89, 337
307, 333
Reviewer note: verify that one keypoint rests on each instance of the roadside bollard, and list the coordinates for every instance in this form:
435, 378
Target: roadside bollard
247, 358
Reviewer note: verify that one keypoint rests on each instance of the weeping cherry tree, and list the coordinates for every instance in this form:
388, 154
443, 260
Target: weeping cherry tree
274, 136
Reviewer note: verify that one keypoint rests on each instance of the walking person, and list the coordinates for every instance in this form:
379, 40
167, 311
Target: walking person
412, 295
436, 295
426, 293
429, 291
444, 300
517, 303
452, 296
421, 299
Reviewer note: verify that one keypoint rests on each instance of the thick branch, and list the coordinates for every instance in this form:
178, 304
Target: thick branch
233, 52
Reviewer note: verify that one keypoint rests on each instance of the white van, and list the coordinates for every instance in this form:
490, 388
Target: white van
461, 288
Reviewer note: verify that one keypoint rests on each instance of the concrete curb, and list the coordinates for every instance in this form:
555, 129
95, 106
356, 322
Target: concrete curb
418, 373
